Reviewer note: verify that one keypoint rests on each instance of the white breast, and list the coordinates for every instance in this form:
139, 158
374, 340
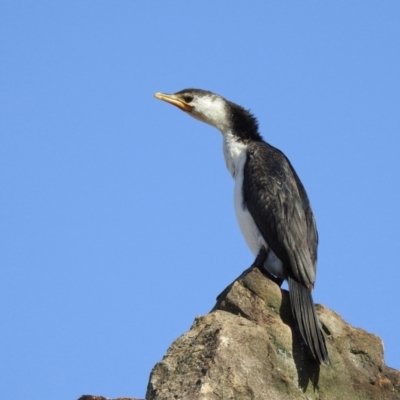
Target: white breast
235, 154
247, 225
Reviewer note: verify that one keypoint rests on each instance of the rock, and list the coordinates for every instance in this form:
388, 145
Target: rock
248, 347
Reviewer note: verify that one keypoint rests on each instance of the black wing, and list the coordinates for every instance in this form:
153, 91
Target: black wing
278, 203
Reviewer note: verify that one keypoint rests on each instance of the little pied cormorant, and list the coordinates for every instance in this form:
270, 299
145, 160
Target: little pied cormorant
271, 205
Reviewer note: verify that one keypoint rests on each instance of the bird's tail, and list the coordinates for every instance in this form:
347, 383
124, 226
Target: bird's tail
303, 310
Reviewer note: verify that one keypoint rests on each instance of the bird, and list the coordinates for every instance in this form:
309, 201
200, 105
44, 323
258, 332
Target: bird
271, 205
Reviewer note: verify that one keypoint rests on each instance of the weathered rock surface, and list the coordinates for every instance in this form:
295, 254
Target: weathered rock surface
248, 348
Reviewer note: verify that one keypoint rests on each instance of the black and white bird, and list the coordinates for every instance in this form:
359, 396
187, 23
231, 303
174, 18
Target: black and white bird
271, 205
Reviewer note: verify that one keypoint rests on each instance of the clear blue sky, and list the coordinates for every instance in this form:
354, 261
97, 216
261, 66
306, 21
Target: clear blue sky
117, 219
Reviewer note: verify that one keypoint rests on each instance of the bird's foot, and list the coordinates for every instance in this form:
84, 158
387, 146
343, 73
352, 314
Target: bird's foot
228, 288
258, 263
271, 277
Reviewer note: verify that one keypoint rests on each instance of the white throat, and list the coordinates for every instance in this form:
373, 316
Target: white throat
234, 153
213, 111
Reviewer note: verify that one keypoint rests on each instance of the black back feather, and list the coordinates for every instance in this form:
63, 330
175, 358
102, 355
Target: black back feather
279, 205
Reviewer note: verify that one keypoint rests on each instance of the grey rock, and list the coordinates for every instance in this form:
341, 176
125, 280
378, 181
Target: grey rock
248, 347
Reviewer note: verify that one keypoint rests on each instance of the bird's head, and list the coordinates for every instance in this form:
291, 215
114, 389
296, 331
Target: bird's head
215, 110
202, 105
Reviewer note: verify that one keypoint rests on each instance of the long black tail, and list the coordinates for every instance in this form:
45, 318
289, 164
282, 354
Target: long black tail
304, 313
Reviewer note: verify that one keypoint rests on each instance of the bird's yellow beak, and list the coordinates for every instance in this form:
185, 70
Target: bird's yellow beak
174, 100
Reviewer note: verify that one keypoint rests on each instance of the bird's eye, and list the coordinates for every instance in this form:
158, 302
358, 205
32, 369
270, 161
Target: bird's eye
187, 98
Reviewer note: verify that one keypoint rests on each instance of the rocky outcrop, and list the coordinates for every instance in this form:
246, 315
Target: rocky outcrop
249, 348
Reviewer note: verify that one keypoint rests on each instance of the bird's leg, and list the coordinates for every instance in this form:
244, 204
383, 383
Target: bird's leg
260, 259
258, 263
271, 277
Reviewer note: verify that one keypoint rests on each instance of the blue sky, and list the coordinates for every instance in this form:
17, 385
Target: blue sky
116, 210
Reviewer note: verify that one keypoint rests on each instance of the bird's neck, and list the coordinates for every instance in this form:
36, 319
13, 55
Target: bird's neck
243, 124
239, 128
234, 152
